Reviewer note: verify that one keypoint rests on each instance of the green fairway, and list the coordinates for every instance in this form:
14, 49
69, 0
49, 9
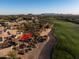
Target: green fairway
67, 46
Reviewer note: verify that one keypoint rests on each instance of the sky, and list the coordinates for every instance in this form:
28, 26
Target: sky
39, 6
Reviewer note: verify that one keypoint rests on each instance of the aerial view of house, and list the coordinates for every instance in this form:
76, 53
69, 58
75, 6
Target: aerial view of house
39, 29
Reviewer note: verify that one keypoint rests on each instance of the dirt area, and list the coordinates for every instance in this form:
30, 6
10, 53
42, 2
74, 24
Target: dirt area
46, 32
5, 34
4, 52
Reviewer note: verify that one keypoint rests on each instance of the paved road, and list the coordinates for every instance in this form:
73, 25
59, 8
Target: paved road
47, 49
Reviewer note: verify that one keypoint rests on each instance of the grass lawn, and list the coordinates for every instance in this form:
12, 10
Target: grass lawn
67, 46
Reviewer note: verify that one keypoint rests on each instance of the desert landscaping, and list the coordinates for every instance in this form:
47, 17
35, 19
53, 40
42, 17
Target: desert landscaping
24, 38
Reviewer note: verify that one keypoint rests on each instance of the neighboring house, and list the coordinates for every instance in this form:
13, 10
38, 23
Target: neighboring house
13, 25
6, 34
2, 24
1, 28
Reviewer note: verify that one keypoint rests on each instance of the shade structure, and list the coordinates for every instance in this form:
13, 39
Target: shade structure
25, 37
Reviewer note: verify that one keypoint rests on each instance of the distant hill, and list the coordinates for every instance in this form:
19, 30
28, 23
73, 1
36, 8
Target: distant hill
65, 17
49, 14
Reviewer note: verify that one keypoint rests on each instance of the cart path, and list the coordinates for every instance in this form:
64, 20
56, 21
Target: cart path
47, 49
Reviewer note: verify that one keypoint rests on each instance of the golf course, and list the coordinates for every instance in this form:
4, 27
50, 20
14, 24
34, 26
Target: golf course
67, 35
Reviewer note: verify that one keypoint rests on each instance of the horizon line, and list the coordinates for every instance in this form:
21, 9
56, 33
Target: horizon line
40, 14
